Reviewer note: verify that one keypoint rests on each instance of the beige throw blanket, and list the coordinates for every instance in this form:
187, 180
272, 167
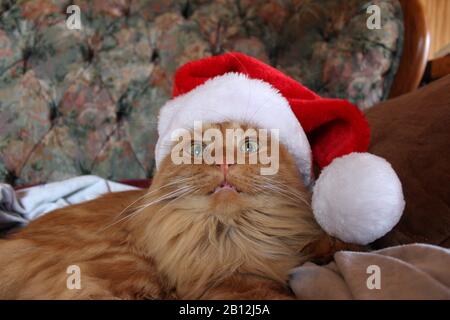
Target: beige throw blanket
415, 271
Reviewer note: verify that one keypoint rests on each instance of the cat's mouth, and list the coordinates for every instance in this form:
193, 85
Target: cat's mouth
226, 186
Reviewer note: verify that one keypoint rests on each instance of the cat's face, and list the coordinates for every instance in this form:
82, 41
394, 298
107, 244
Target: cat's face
232, 182
228, 214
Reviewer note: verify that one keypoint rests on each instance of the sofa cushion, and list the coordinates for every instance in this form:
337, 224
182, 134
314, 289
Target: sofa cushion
412, 133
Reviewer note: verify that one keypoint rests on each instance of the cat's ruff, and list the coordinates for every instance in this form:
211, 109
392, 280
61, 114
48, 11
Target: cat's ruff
358, 197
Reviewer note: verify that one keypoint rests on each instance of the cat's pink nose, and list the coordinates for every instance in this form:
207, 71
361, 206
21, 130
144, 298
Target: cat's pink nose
225, 167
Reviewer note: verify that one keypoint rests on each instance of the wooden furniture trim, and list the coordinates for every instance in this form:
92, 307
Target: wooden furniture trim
438, 68
416, 47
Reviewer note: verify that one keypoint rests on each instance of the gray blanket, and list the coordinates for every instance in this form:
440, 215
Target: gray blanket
19, 207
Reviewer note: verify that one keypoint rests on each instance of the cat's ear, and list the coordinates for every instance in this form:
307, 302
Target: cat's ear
321, 251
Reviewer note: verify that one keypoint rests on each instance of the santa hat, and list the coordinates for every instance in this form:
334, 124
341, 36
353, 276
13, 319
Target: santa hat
357, 197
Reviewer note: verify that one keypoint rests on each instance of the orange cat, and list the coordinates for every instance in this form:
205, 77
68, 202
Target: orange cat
201, 231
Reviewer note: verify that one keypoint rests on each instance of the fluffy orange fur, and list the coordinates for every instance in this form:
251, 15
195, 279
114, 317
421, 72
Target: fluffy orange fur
179, 239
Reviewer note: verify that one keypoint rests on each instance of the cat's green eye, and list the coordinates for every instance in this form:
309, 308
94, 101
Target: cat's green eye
196, 149
249, 146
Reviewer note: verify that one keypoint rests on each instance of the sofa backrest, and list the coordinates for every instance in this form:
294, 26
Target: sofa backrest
86, 101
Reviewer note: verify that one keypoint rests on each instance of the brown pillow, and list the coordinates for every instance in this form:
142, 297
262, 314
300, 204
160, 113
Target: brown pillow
413, 133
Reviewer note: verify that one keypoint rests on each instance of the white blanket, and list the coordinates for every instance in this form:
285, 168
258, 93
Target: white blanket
19, 207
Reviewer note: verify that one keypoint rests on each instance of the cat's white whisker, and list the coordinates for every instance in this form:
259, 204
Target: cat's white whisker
284, 189
176, 193
153, 191
180, 197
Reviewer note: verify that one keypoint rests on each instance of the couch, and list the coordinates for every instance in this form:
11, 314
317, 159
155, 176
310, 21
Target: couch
76, 102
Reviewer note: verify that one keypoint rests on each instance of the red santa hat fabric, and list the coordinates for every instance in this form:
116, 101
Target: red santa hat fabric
334, 127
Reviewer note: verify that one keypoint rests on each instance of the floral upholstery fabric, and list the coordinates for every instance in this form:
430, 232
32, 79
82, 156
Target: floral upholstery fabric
86, 101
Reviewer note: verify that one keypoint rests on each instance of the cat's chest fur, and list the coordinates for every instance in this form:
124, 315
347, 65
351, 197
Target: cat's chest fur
198, 251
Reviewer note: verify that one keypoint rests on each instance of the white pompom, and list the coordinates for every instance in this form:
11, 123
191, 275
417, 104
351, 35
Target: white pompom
358, 198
